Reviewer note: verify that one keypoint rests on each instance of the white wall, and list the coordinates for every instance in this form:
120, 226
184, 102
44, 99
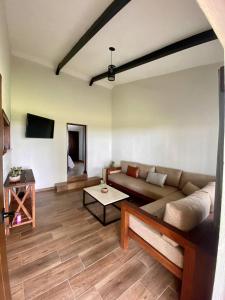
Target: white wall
5, 72
36, 89
169, 120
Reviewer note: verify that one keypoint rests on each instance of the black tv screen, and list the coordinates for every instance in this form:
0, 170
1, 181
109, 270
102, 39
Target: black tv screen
39, 127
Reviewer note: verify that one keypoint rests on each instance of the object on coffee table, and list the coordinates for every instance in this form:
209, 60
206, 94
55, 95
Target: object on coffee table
104, 190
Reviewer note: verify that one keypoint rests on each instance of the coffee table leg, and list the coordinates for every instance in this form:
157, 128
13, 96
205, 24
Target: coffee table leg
84, 198
104, 207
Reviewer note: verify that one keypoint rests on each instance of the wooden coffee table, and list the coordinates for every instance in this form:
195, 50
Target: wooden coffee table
112, 197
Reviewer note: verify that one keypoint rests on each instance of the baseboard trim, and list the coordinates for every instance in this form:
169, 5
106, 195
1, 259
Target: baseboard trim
45, 189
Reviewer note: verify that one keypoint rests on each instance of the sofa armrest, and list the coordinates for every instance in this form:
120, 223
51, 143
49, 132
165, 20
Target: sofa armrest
182, 238
112, 170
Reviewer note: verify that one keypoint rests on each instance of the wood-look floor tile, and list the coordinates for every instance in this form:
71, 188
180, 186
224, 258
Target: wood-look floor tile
35, 267
125, 255
169, 294
80, 246
42, 250
28, 243
176, 285
91, 294
157, 279
119, 281
60, 292
42, 283
81, 218
93, 274
136, 292
146, 259
83, 231
62, 219
110, 231
14, 261
17, 292
101, 249
12, 238
40, 229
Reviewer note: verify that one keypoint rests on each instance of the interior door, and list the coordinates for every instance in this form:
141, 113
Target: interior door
4, 277
74, 145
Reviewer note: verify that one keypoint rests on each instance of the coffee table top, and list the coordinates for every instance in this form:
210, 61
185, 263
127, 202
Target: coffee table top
112, 196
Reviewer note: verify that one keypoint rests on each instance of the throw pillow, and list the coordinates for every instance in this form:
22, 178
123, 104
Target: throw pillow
189, 188
133, 171
156, 178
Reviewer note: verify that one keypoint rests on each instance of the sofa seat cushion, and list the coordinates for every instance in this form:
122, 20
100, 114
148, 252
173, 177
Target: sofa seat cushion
154, 238
157, 208
140, 186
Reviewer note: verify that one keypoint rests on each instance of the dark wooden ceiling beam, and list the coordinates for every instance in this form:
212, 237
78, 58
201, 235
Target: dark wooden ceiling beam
181, 45
105, 17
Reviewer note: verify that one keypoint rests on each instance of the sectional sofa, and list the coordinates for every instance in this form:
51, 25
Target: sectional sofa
172, 190
166, 226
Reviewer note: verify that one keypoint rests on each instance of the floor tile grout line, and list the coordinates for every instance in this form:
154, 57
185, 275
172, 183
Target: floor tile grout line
136, 282
99, 258
172, 288
38, 274
162, 292
74, 297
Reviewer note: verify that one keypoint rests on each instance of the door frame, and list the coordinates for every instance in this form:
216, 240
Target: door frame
85, 144
5, 293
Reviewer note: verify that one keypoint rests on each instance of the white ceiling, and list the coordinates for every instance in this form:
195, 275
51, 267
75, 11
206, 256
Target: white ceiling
44, 31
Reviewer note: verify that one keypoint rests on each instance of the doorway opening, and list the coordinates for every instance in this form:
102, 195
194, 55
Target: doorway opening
76, 154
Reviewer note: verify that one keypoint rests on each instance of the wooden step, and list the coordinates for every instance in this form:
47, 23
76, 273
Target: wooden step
77, 185
77, 178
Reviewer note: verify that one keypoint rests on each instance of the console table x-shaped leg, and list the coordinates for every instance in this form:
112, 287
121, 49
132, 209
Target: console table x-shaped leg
29, 195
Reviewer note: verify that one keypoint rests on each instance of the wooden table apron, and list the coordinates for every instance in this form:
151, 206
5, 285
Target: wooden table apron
12, 190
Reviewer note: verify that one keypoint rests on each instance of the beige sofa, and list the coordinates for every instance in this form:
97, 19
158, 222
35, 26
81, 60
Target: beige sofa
176, 179
171, 246
159, 197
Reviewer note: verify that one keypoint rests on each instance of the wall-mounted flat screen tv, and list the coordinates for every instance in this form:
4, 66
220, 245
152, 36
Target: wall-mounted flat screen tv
39, 127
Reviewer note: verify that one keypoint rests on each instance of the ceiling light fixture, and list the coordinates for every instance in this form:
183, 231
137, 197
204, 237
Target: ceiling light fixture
111, 68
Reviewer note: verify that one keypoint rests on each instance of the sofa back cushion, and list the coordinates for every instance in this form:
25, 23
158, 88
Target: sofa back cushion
187, 213
197, 179
133, 171
124, 165
143, 169
173, 175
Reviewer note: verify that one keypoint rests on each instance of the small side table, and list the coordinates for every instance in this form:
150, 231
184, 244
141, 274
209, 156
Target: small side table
20, 198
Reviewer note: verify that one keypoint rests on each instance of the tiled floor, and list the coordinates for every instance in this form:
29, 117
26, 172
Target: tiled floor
77, 170
71, 256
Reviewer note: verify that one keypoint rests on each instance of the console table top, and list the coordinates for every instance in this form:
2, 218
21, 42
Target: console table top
27, 177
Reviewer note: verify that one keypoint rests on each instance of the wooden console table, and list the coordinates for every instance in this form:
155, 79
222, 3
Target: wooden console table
20, 198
